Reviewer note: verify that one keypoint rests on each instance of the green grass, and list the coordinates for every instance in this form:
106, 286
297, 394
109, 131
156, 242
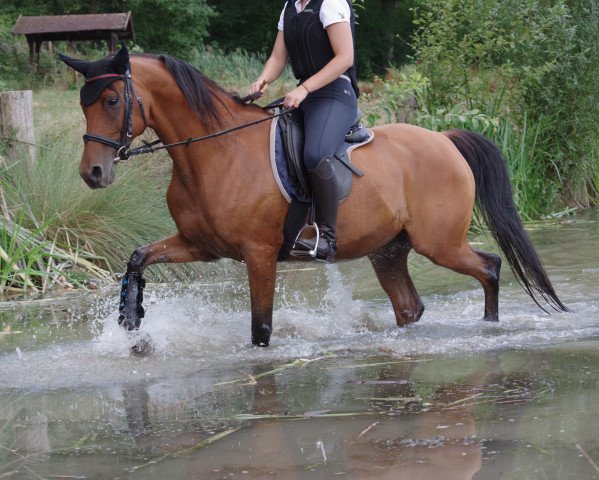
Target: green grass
49, 199
237, 70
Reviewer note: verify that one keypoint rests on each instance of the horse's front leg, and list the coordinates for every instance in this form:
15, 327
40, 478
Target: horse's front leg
262, 271
173, 249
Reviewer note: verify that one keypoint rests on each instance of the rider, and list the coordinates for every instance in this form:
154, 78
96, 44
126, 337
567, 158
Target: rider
317, 37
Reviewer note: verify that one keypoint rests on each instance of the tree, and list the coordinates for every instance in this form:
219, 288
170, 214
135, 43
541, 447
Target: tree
176, 28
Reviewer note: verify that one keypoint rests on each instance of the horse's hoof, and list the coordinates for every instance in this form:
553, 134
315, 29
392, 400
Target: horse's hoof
491, 318
261, 337
143, 346
129, 322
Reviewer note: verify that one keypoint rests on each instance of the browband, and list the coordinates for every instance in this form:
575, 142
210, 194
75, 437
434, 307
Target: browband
100, 77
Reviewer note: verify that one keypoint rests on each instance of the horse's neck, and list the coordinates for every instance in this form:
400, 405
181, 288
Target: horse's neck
174, 121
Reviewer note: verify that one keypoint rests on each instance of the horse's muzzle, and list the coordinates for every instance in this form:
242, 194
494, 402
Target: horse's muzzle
98, 177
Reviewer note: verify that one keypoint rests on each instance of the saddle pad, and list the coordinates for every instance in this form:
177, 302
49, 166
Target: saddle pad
280, 169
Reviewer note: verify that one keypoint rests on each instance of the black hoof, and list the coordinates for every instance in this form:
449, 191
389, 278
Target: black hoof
143, 346
129, 322
491, 318
261, 336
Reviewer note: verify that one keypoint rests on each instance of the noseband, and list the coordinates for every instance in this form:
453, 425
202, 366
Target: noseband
122, 146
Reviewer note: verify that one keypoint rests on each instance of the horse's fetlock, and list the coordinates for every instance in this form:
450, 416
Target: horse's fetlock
261, 335
136, 260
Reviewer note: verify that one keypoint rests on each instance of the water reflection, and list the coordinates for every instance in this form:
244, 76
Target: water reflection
480, 416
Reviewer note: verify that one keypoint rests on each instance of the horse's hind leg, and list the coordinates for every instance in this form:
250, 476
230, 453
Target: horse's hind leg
172, 249
490, 283
483, 266
391, 267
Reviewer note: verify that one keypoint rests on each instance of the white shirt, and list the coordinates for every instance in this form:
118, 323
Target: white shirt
331, 11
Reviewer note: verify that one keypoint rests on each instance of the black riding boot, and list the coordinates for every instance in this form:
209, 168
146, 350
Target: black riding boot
324, 190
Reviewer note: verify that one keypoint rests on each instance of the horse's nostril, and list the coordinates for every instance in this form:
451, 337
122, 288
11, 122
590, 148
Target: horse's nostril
96, 173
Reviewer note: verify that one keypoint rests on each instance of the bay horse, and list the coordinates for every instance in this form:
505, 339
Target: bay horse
418, 190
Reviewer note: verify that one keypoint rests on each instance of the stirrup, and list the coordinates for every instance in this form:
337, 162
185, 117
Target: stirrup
306, 253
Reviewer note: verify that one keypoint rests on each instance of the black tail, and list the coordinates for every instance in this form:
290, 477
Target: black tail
495, 200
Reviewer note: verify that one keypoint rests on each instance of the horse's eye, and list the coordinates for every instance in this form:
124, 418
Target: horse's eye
112, 101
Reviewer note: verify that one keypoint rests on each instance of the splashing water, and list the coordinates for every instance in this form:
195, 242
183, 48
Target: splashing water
322, 309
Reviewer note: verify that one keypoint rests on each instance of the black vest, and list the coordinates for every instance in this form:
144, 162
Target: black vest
307, 41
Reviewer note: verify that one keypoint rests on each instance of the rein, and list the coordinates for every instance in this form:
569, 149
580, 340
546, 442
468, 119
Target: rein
124, 152
150, 148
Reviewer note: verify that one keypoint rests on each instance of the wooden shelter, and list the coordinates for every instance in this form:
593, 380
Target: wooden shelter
111, 27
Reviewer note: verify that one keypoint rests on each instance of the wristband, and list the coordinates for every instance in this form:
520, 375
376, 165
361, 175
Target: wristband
306, 88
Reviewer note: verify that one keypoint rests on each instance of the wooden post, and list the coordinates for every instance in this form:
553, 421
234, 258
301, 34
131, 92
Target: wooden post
16, 123
31, 43
112, 42
38, 47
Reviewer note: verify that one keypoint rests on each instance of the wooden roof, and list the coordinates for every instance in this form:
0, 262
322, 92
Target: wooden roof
75, 27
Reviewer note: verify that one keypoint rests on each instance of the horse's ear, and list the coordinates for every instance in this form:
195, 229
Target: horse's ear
80, 66
121, 58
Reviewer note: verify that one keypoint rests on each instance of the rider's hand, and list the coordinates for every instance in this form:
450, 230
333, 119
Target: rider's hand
295, 97
258, 88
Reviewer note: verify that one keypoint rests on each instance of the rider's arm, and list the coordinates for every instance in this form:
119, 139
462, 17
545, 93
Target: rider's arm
274, 66
343, 47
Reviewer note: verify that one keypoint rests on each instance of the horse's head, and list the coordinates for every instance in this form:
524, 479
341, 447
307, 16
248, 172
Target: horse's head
107, 100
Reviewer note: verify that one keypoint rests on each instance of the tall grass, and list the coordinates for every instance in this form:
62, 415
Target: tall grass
108, 224
238, 70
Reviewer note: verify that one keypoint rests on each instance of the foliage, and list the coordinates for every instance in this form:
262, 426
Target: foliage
109, 223
383, 32
176, 28
250, 27
531, 61
392, 99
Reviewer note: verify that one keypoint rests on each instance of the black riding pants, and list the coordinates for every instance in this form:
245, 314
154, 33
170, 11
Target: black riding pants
328, 115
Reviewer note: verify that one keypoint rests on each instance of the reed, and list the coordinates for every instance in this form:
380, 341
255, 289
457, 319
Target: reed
52, 218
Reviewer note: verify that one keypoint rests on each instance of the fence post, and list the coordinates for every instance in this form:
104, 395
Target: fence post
16, 122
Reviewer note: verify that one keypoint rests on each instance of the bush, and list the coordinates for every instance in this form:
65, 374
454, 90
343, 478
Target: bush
532, 62
109, 223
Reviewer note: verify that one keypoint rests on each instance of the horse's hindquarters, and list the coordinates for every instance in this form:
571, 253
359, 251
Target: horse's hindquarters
414, 180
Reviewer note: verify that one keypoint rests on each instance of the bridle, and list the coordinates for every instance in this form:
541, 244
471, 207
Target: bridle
123, 150
122, 146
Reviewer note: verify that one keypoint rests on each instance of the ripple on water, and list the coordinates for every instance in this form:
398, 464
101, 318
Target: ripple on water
195, 331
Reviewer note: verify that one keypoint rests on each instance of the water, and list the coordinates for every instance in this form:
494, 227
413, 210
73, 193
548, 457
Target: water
448, 397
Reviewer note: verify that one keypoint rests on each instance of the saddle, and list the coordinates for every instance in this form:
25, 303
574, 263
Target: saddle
291, 129
292, 134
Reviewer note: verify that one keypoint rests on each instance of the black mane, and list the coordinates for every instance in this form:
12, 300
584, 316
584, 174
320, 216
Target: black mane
198, 90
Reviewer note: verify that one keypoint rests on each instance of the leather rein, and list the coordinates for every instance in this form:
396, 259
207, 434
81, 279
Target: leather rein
124, 152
